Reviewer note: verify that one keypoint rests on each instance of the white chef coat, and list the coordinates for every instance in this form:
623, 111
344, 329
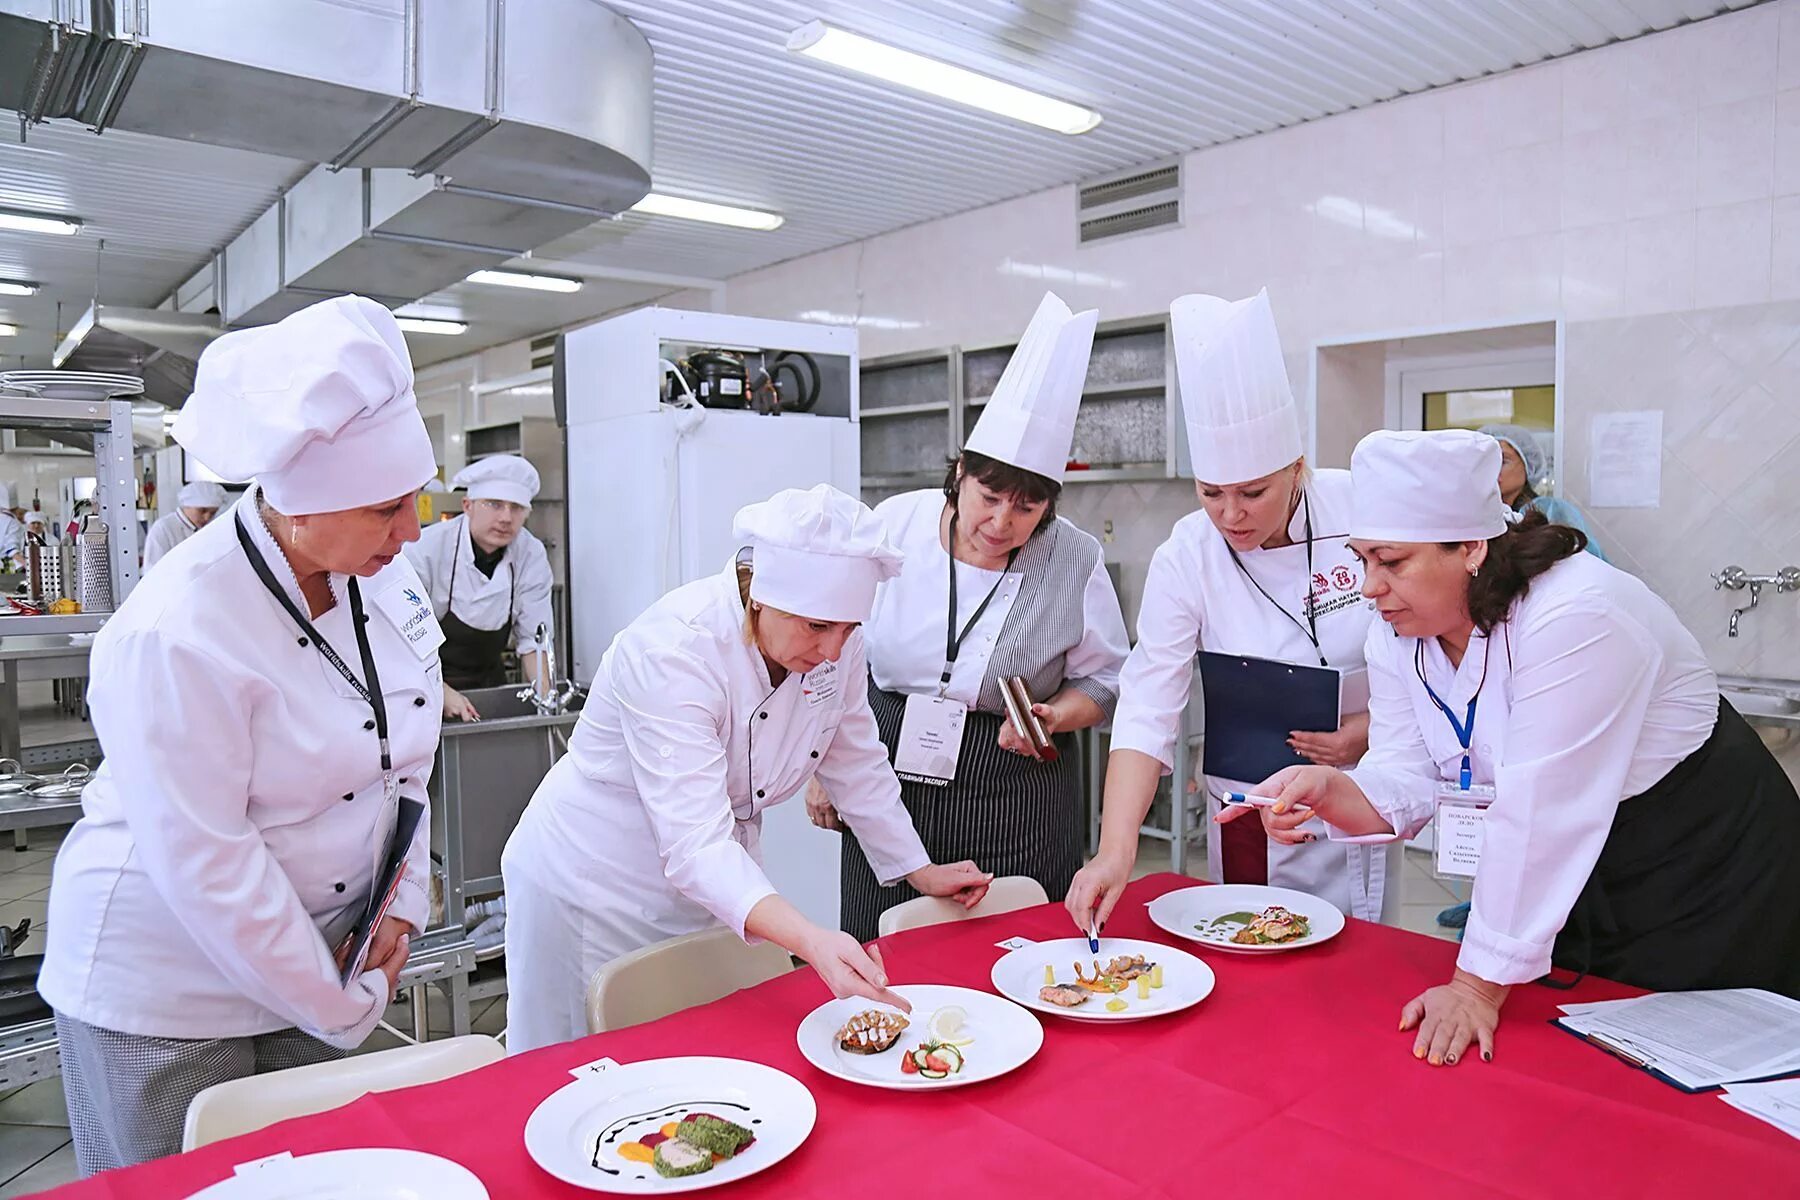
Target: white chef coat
166, 534
241, 803
1594, 692
905, 631
1197, 599
12, 535
519, 585
651, 825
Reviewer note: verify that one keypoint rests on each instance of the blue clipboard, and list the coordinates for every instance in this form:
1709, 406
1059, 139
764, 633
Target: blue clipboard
1618, 1052
1253, 704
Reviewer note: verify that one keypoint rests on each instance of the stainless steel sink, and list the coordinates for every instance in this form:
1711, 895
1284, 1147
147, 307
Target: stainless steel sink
1763, 701
500, 704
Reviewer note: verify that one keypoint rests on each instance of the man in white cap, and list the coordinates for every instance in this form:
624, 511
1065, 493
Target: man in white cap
1261, 573
1620, 817
724, 697
489, 579
197, 504
12, 529
1028, 597
268, 702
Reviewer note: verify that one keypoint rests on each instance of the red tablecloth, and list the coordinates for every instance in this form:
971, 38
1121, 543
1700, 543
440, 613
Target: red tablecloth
1290, 1080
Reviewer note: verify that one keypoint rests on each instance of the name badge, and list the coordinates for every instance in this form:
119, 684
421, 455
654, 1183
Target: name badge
1461, 818
409, 609
930, 739
820, 685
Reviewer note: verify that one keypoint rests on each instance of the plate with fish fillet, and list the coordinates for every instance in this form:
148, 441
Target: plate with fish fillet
1127, 980
953, 1037
1246, 918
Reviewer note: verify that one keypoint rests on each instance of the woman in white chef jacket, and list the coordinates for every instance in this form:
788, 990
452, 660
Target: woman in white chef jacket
1261, 571
1031, 599
267, 699
727, 695
1636, 829
196, 505
489, 579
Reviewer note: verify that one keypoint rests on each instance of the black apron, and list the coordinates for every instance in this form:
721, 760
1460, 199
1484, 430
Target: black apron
1011, 814
1698, 885
472, 657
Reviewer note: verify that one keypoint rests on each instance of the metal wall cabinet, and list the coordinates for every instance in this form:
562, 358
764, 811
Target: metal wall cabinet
911, 420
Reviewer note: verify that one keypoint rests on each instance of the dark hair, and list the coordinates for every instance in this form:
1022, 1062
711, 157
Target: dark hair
1514, 559
1027, 487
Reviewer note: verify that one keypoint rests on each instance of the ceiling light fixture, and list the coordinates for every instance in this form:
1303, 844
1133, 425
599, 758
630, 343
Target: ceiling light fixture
827, 43
525, 279
429, 325
17, 287
658, 205
35, 222
8, 330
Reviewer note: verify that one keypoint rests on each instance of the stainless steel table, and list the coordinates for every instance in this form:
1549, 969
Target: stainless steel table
30, 658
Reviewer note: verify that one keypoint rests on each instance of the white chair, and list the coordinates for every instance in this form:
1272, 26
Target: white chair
682, 972
1006, 894
226, 1110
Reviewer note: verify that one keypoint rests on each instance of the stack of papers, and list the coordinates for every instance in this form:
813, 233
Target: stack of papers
1777, 1103
1696, 1040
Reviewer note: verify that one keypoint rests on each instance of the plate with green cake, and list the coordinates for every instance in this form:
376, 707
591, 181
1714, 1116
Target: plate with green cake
669, 1125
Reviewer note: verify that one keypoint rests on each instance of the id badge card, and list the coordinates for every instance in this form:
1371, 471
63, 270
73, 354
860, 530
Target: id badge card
1461, 815
930, 740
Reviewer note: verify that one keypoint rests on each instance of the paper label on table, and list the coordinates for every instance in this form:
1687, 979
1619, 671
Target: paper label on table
1015, 943
1459, 828
599, 1066
257, 1164
1625, 459
930, 739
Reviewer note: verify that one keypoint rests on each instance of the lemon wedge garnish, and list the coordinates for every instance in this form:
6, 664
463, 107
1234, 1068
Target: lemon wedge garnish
949, 1025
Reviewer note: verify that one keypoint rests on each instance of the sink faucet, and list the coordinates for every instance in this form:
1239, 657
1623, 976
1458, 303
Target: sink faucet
1736, 579
548, 695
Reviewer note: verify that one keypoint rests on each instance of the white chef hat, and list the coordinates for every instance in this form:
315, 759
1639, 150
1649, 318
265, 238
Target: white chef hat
1030, 419
1242, 423
817, 553
1426, 486
34, 517
500, 477
8, 497
318, 408
201, 494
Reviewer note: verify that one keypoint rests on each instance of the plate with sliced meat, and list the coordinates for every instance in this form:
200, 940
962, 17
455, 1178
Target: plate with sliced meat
1246, 918
953, 1037
1128, 980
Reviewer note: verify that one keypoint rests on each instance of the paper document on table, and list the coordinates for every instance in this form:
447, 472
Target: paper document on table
1778, 1103
1698, 1039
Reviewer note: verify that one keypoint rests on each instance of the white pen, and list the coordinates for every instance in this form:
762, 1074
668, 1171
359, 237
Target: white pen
1093, 934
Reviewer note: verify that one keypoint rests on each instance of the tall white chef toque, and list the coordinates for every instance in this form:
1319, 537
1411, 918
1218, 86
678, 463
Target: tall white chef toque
1433, 486
1242, 422
503, 477
1030, 419
200, 494
817, 553
318, 408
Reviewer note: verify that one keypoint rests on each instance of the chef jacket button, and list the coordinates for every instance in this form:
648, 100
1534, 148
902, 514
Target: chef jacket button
764, 716
403, 779
369, 724
349, 795
337, 887
815, 754
759, 793
666, 751
302, 641
418, 702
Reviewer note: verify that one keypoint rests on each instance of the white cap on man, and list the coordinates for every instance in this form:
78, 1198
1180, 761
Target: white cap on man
1242, 422
499, 477
201, 494
1029, 421
318, 408
1426, 486
816, 553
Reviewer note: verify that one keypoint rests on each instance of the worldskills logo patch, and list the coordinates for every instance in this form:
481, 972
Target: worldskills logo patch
411, 596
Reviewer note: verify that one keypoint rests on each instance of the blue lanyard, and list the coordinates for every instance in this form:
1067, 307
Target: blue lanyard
1464, 729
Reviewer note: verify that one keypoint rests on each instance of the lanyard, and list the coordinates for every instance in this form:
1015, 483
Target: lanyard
952, 640
1465, 730
372, 692
1311, 628
512, 594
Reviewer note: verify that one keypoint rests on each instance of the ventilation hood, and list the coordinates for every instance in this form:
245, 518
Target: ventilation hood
451, 134
158, 345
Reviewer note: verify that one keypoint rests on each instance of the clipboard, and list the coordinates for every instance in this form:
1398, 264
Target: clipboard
1632, 1060
1252, 704
381, 895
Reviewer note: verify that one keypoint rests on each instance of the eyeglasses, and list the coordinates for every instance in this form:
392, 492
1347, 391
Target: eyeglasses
503, 508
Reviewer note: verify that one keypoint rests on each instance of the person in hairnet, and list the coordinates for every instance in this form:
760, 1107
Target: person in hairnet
196, 505
1524, 461
268, 703
12, 528
489, 578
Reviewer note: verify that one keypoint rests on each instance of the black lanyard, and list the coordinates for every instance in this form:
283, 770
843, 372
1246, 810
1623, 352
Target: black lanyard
1311, 628
1465, 729
952, 640
372, 692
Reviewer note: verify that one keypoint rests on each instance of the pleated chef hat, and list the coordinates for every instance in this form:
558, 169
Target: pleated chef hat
200, 494
1426, 486
818, 553
1241, 420
501, 477
1030, 419
318, 408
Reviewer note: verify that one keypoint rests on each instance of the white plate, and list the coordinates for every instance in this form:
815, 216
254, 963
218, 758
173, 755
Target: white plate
1006, 1038
566, 1134
1186, 980
1185, 912
350, 1175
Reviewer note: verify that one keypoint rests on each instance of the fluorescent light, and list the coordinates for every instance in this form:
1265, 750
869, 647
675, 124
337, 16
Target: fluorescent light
8, 330
857, 53
17, 287
429, 325
658, 205
524, 279
30, 222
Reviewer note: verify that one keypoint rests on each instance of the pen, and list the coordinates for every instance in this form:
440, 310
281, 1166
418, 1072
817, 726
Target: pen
1093, 934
